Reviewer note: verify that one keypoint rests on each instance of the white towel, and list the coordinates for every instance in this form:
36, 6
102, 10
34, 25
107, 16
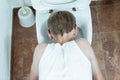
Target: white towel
64, 62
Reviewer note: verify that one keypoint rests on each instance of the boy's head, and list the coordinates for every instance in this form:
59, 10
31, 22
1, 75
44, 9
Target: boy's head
61, 22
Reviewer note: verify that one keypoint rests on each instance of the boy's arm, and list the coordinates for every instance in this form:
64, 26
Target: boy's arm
86, 47
36, 58
97, 75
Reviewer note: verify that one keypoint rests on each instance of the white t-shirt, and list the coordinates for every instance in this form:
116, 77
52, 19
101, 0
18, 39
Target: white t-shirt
64, 62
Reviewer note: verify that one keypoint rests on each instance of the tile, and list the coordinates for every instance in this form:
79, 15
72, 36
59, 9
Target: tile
27, 66
93, 3
17, 57
108, 17
26, 78
31, 28
94, 19
113, 74
17, 78
29, 47
111, 46
107, 2
17, 29
117, 18
15, 11
97, 47
104, 73
30, 33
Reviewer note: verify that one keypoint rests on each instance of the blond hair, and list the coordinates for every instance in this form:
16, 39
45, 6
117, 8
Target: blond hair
61, 22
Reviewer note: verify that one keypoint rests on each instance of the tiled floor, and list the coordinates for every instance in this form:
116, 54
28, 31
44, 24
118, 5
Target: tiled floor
106, 41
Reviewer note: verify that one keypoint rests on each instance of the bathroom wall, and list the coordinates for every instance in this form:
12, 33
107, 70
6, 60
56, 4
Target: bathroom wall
18, 3
5, 39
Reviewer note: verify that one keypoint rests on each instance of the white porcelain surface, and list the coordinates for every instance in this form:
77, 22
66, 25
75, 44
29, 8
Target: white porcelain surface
42, 5
26, 17
58, 1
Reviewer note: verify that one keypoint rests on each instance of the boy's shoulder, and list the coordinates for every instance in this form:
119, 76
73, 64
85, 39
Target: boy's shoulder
39, 49
82, 41
84, 45
41, 45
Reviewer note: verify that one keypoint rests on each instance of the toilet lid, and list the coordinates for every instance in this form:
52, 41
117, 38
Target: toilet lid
55, 2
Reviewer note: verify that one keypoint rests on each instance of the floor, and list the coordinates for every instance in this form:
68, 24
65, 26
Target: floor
106, 41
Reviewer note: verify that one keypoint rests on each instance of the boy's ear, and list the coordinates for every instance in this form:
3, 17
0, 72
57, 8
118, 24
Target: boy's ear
50, 34
75, 30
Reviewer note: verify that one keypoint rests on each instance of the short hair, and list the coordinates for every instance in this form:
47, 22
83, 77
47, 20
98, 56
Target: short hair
61, 22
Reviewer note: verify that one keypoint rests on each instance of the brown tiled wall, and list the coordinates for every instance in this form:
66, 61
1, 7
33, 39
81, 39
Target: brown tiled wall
106, 41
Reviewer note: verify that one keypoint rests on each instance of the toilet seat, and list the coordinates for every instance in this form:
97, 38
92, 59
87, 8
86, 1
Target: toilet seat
57, 2
43, 5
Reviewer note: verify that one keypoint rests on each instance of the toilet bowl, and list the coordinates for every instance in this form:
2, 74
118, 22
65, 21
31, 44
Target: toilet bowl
79, 8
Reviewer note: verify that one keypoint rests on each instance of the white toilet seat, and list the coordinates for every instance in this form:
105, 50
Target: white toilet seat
82, 14
57, 2
42, 5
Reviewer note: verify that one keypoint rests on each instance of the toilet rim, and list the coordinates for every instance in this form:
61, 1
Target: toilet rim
48, 6
42, 5
60, 3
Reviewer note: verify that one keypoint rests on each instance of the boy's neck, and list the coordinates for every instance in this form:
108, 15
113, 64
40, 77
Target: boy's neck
62, 39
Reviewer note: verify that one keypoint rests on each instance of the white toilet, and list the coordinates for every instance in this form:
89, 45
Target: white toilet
79, 8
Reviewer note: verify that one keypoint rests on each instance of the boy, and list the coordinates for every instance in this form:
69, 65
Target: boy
67, 58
